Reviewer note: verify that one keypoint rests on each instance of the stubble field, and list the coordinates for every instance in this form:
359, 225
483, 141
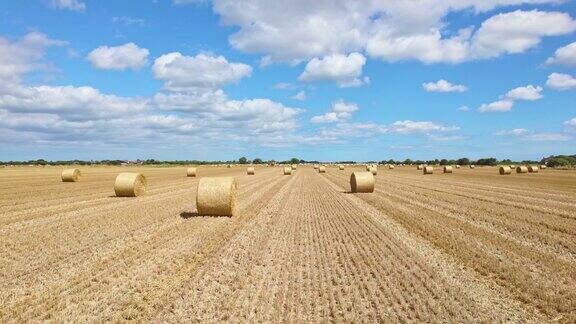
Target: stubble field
468, 246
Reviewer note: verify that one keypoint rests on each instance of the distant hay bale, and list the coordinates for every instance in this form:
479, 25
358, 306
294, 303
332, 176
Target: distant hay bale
533, 169
362, 182
447, 169
472, 166
374, 170
316, 166
216, 196
521, 169
287, 170
419, 167
322, 169
229, 166
70, 175
191, 172
391, 167
368, 167
512, 166
341, 167
505, 170
428, 170
293, 166
542, 167
250, 170
457, 166
129, 184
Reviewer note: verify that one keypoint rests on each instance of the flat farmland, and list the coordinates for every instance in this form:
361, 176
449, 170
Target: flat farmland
464, 247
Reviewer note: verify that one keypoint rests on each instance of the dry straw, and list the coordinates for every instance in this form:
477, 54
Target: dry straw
457, 166
533, 169
521, 169
420, 167
316, 166
293, 166
391, 167
505, 170
250, 170
70, 175
287, 170
428, 170
368, 167
447, 169
362, 182
322, 169
512, 166
130, 184
341, 167
543, 167
229, 166
374, 170
472, 166
216, 196
191, 172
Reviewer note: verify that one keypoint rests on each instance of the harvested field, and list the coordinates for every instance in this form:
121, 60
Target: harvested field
466, 247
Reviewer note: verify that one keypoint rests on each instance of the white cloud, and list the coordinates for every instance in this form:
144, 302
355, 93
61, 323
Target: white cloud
129, 21
301, 95
564, 56
513, 132
528, 92
127, 56
342, 69
284, 86
561, 81
500, 105
528, 135
443, 86
74, 5
463, 108
571, 123
411, 127
183, 73
339, 112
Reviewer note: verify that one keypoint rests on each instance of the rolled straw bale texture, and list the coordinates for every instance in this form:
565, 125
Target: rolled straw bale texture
129, 184
428, 170
250, 170
341, 167
229, 166
216, 196
512, 166
447, 169
472, 166
70, 175
316, 166
191, 172
293, 166
374, 170
521, 169
362, 182
533, 169
287, 170
543, 167
391, 167
368, 167
420, 167
505, 170
457, 166
322, 169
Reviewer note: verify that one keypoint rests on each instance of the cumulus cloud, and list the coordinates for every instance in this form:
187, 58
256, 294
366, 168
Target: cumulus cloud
182, 73
528, 135
463, 108
300, 30
506, 102
127, 56
500, 105
571, 123
129, 21
443, 86
301, 95
564, 56
340, 111
342, 69
561, 81
411, 127
74, 5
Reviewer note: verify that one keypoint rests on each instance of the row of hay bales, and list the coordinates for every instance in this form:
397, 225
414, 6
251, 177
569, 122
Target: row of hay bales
360, 182
505, 170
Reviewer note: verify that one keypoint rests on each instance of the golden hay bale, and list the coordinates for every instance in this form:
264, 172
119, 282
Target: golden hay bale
70, 175
512, 166
287, 170
391, 167
472, 166
322, 169
293, 166
420, 167
341, 167
216, 196
533, 169
505, 170
374, 170
542, 167
362, 182
457, 166
368, 167
229, 166
250, 170
428, 170
316, 166
129, 184
521, 169
191, 172
447, 169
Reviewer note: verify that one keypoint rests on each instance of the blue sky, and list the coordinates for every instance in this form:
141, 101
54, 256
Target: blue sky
345, 80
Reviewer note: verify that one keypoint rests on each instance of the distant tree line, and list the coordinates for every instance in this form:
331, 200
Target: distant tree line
552, 161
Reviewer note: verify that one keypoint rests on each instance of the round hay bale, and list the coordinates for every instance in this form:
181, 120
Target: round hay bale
316, 166
505, 170
293, 166
472, 166
287, 170
512, 166
391, 167
362, 182
447, 169
70, 175
129, 184
457, 166
374, 170
542, 167
368, 168
191, 172
229, 166
533, 169
250, 170
216, 196
428, 170
341, 167
420, 167
322, 169
521, 169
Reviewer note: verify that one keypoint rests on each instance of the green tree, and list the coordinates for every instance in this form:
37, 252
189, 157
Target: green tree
242, 160
257, 161
463, 161
294, 160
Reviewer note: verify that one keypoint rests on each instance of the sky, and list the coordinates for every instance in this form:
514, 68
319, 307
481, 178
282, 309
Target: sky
318, 80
